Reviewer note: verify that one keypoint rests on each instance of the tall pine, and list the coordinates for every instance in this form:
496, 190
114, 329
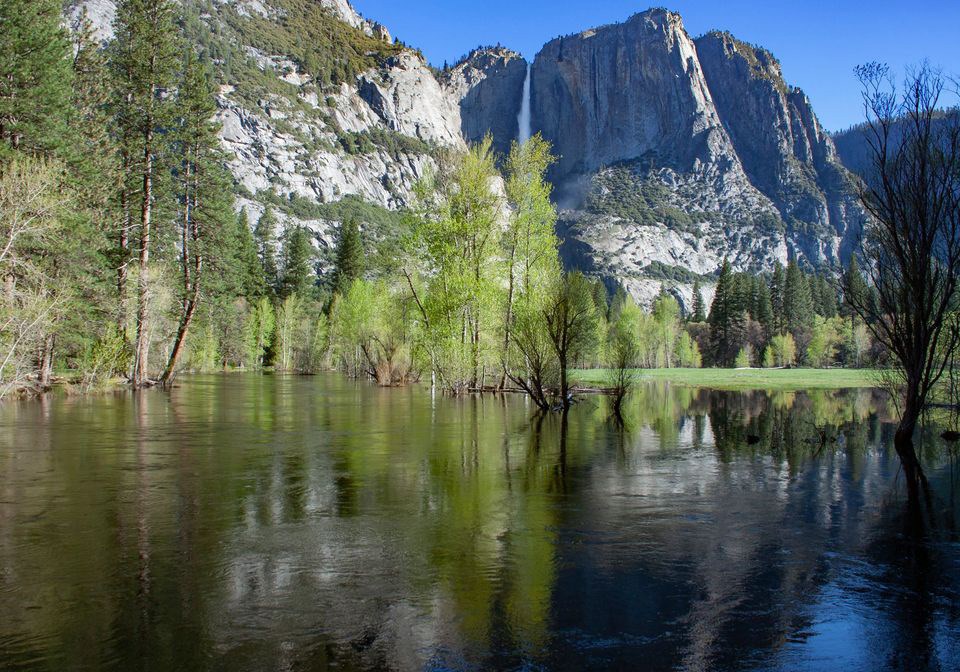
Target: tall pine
265, 235
698, 312
297, 263
144, 63
349, 262
204, 207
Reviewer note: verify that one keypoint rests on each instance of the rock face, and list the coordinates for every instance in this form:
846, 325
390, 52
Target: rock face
489, 86
676, 153
783, 149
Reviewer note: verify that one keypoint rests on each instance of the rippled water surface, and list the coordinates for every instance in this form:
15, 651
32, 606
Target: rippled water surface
272, 523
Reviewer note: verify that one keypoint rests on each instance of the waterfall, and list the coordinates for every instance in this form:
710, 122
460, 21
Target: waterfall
523, 119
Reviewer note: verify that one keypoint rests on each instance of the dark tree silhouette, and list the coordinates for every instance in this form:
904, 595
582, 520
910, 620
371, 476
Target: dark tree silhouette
911, 244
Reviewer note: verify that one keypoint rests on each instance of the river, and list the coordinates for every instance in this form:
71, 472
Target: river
246, 522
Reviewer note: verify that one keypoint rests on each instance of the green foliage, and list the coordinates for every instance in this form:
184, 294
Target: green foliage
298, 276
633, 192
698, 313
35, 76
349, 257
265, 235
322, 46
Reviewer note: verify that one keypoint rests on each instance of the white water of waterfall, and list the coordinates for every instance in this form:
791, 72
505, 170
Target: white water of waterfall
523, 119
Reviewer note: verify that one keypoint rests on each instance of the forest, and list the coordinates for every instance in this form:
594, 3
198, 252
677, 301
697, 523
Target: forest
125, 259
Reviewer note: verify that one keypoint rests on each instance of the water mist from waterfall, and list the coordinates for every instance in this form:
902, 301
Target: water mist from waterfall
523, 119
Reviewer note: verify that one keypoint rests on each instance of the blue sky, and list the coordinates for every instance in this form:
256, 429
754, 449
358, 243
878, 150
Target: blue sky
818, 42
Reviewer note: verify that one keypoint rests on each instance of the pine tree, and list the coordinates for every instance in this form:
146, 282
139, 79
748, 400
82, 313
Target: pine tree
854, 287
826, 298
265, 235
250, 279
144, 62
764, 314
777, 287
205, 207
600, 297
350, 257
92, 151
699, 309
297, 257
798, 305
35, 76
723, 315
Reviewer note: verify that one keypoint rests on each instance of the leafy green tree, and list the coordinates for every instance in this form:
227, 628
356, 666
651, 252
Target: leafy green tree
458, 236
570, 318
35, 76
350, 257
743, 360
530, 242
688, 352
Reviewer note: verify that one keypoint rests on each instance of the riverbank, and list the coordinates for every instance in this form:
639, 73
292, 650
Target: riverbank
745, 379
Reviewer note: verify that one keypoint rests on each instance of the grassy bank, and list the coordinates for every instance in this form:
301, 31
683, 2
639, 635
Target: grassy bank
744, 379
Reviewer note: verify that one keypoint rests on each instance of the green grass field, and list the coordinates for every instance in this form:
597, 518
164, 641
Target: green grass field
745, 379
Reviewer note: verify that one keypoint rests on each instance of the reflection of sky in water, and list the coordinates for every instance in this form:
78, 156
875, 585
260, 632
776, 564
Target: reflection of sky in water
249, 522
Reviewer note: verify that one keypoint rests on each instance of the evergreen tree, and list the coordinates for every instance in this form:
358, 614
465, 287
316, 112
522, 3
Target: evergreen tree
798, 306
205, 207
250, 278
854, 287
601, 298
777, 288
35, 76
764, 314
724, 318
92, 155
144, 62
826, 297
350, 257
297, 257
265, 235
699, 310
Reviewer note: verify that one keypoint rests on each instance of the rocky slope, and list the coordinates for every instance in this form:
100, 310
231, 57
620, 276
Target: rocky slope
297, 139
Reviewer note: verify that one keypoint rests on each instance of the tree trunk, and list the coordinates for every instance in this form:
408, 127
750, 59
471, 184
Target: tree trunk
191, 280
45, 374
143, 345
124, 251
903, 443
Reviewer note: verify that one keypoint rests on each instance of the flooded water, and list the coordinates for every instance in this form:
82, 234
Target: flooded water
278, 523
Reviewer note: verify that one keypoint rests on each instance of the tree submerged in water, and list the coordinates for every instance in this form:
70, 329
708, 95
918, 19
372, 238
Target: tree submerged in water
912, 242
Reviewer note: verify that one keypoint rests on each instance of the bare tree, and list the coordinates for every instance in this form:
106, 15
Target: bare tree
912, 241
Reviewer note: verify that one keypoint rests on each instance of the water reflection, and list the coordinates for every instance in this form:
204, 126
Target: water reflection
250, 523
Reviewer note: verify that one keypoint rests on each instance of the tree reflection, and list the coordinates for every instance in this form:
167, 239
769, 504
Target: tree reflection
320, 522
